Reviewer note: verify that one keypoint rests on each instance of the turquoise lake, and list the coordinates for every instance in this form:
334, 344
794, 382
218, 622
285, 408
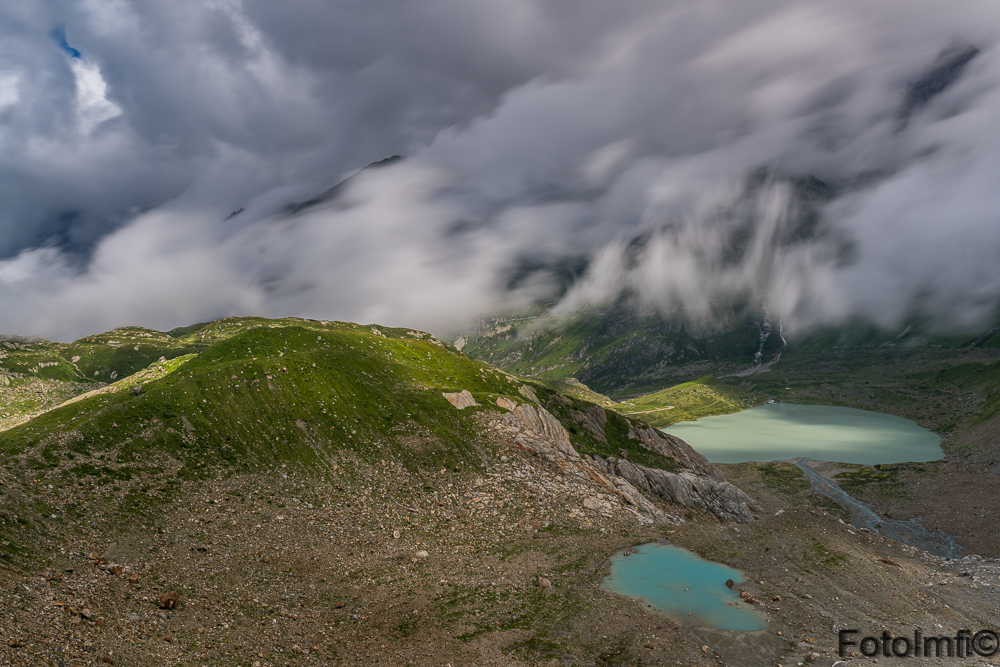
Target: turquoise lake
822, 432
685, 587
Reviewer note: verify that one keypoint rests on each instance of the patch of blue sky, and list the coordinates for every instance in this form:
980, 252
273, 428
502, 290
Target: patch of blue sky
58, 35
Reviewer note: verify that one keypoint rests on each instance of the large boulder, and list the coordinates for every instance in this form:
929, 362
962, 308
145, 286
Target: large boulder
461, 399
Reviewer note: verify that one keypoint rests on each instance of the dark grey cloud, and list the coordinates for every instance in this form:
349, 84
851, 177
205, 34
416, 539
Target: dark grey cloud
220, 100
832, 158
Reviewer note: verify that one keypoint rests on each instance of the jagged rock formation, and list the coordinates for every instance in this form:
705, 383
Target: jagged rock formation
720, 498
673, 447
541, 434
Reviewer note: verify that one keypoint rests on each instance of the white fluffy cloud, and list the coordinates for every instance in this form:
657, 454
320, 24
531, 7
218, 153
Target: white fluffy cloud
555, 150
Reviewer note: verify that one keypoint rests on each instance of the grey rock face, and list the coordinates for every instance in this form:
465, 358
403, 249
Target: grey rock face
595, 419
673, 447
542, 434
686, 489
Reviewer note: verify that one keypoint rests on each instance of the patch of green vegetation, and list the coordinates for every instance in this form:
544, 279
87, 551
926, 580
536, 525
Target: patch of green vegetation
686, 402
409, 627
864, 480
783, 477
820, 555
831, 506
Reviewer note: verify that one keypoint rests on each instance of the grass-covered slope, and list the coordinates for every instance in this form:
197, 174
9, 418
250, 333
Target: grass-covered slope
346, 387
686, 402
270, 394
99, 358
264, 396
576, 389
38, 374
615, 352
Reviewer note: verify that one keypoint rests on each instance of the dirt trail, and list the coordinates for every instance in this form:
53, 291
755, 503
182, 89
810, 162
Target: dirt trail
669, 407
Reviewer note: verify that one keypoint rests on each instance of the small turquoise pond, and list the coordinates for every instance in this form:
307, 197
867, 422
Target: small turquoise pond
822, 432
679, 583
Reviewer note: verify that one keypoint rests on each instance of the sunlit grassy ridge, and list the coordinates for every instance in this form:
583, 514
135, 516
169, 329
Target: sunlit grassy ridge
262, 397
685, 402
259, 397
266, 394
575, 388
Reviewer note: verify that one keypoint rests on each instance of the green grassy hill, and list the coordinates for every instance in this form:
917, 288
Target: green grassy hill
686, 402
260, 395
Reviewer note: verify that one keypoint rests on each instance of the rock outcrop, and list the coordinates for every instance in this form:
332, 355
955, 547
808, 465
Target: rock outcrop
673, 447
506, 403
687, 489
594, 419
541, 434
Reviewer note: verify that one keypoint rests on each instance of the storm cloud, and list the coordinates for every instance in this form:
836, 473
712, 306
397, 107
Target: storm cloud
832, 159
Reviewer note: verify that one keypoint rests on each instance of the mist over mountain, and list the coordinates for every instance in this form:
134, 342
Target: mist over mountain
832, 161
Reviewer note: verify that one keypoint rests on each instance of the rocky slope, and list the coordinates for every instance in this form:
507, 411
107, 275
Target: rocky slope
293, 488
699, 486
498, 565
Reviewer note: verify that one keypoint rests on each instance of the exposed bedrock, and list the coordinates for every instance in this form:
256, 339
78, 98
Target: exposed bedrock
701, 486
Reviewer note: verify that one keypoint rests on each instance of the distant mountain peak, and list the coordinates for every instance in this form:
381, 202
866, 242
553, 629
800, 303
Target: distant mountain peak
338, 189
943, 72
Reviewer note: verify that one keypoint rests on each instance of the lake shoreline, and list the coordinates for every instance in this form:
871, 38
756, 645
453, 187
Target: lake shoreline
685, 587
782, 431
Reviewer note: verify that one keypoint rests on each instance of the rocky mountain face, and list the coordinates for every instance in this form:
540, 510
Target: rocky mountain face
698, 486
625, 351
619, 349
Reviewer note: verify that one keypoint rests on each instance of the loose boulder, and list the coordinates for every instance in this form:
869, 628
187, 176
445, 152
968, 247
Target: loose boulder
461, 400
506, 403
169, 600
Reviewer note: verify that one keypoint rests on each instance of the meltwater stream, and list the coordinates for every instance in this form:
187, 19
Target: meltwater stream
910, 531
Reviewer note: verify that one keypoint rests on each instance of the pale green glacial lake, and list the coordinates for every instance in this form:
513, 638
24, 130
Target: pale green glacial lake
823, 432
